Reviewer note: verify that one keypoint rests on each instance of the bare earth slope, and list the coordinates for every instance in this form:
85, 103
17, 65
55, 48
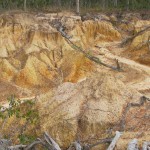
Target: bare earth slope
77, 98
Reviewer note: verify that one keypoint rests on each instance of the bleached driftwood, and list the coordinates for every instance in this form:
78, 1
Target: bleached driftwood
16, 147
51, 142
61, 30
130, 39
133, 145
4, 143
32, 145
47, 143
103, 141
114, 141
146, 145
76, 145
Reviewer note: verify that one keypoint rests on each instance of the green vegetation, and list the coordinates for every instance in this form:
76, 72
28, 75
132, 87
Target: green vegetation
70, 4
21, 111
26, 139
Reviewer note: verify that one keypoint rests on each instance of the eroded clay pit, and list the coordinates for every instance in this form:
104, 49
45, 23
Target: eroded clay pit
77, 97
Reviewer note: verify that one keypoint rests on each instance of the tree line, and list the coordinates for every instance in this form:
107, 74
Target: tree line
72, 4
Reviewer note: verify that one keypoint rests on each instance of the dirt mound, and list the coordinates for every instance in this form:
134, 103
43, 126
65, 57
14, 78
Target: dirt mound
85, 109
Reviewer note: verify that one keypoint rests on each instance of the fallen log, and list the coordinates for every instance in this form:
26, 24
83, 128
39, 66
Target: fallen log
103, 141
130, 39
16, 147
133, 145
48, 143
114, 141
146, 146
4, 143
76, 145
32, 145
87, 55
51, 142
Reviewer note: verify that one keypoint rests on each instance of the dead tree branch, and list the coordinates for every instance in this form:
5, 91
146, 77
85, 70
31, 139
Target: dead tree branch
146, 145
143, 99
51, 142
16, 147
32, 145
87, 55
114, 141
133, 145
130, 39
103, 141
76, 145
47, 143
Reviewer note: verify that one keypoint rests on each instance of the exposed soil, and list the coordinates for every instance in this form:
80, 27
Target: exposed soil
75, 96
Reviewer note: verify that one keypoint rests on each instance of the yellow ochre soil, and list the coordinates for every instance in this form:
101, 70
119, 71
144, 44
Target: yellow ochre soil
75, 96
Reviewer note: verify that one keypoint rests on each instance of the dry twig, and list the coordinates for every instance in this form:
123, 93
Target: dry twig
130, 39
